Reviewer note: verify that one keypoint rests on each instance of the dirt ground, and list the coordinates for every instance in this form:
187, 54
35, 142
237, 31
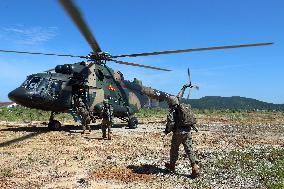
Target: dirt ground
31, 156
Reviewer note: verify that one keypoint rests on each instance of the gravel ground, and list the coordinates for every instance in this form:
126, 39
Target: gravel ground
230, 156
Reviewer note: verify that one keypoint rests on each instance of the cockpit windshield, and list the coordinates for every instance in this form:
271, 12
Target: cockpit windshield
53, 87
32, 83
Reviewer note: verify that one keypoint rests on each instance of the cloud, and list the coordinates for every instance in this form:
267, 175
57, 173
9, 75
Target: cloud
24, 35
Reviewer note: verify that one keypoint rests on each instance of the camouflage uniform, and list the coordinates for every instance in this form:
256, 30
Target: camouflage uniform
107, 115
82, 108
181, 134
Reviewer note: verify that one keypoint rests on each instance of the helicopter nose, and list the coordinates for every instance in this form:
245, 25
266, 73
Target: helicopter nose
19, 95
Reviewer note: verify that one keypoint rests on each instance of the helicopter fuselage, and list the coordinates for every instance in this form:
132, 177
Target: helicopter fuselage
54, 91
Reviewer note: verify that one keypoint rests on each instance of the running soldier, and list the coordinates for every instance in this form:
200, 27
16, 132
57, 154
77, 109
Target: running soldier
107, 115
180, 121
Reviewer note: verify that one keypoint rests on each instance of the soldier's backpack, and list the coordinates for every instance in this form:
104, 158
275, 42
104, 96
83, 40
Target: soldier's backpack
185, 116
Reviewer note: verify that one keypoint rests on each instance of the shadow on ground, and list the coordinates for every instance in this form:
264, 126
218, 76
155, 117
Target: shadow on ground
147, 169
66, 128
36, 130
153, 169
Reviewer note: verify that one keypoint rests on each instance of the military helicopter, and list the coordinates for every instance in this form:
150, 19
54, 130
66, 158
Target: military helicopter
80, 88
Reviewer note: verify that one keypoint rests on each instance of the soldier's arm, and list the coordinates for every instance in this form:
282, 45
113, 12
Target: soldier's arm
170, 122
181, 93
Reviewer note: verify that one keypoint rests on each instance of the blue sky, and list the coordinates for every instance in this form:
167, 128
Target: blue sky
129, 26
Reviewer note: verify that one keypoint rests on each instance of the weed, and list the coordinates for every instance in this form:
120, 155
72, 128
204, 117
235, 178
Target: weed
267, 165
6, 172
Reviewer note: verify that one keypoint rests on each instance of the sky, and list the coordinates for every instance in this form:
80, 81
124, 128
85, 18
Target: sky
128, 26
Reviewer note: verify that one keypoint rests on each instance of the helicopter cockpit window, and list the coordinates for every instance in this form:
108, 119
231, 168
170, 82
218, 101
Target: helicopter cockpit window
43, 85
33, 83
55, 88
26, 82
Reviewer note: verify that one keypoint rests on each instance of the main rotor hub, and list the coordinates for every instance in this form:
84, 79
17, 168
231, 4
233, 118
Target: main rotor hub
99, 57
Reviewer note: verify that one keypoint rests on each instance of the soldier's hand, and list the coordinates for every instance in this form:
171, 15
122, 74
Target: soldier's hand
186, 85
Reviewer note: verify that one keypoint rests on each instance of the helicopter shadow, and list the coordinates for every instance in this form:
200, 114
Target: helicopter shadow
33, 132
29, 129
38, 130
153, 170
94, 127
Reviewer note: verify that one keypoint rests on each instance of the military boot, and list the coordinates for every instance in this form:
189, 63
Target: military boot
89, 128
109, 134
195, 170
84, 129
170, 166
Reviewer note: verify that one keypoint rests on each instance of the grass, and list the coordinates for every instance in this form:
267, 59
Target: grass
265, 164
154, 112
6, 172
22, 114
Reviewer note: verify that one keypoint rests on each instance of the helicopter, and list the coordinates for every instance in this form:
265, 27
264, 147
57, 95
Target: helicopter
80, 88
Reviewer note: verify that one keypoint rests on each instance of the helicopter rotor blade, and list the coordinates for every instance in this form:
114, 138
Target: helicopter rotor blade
189, 82
77, 18
188, 94
138, 65
188, 73
38, 53
192, 50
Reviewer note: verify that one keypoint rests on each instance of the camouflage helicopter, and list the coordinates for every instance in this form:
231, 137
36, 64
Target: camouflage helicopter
80, 88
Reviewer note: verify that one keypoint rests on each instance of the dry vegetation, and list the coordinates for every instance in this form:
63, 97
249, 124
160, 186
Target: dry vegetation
236, 150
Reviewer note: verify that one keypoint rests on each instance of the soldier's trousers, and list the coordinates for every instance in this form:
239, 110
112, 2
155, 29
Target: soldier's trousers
185, 139
106, 125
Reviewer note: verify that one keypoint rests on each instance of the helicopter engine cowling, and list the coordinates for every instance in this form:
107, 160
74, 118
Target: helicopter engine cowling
64, 69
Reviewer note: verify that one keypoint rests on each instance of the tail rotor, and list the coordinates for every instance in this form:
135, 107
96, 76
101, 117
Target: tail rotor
190, 84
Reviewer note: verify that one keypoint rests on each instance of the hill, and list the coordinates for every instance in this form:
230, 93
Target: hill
234, 102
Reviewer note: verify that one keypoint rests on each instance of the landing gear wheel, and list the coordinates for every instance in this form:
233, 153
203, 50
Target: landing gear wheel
133, 122
54, 125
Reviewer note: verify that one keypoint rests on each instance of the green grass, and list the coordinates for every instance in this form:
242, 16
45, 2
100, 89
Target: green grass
6, 172
154, 112
265, 164
25, 114
22, 114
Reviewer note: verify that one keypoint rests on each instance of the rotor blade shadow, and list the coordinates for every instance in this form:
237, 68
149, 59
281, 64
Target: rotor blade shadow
31, 135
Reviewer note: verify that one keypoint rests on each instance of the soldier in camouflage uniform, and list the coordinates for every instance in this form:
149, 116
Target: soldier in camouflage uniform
81, 106
181, 132
107, 115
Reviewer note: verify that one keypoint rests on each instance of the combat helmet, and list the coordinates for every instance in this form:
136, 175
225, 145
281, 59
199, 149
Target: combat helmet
172, 101
105, 101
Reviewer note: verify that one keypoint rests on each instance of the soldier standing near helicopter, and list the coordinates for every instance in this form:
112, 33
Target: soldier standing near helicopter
80, 98
107, 122
180, 121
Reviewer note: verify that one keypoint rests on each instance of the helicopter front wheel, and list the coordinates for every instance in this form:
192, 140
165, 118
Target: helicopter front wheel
54, 125
132, 122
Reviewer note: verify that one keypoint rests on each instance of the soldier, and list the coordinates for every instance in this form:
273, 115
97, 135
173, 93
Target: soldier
82, 108
180, 121
107, 115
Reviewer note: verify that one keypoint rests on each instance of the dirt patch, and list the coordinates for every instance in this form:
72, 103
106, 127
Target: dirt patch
31, 156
